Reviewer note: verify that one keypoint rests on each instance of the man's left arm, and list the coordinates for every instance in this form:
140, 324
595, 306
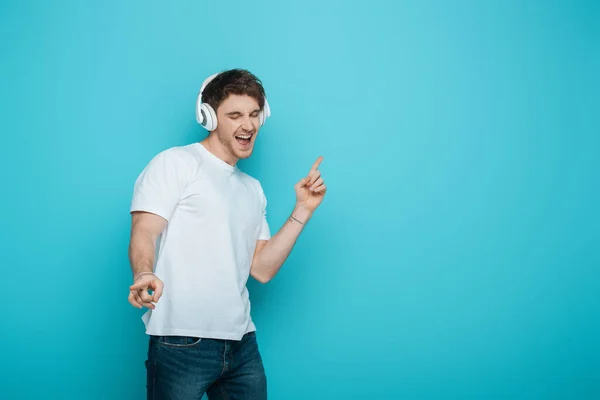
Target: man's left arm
270, 254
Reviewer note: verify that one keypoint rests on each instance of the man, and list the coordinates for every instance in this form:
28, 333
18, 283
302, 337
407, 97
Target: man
210, 221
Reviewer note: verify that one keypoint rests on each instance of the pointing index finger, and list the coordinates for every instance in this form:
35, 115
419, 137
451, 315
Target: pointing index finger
316, 165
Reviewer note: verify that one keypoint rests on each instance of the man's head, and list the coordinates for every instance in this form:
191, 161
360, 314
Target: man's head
238, 97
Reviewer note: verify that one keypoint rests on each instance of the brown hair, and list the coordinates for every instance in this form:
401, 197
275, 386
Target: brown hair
233, 81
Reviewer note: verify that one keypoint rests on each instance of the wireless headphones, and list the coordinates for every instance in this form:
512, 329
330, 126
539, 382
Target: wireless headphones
206, 115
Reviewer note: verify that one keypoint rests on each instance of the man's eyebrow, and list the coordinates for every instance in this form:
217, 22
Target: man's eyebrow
240, 113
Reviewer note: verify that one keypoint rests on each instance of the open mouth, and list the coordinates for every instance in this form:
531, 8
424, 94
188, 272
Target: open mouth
244, 140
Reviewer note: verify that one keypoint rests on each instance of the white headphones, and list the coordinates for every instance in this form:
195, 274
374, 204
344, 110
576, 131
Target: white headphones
207, 117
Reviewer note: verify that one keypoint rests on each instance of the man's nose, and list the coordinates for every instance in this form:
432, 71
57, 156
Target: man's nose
247, 124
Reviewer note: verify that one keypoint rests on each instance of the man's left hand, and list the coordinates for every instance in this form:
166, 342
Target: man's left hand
311, 189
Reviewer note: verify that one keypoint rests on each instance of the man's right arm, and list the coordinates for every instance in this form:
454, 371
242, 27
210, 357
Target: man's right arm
145, 228
157, 191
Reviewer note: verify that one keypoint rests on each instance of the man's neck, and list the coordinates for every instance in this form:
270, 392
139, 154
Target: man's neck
212, 144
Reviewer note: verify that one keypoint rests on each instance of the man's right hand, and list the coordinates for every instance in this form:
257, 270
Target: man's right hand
138, 291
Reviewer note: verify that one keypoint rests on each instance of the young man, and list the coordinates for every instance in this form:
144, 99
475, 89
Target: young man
210, 220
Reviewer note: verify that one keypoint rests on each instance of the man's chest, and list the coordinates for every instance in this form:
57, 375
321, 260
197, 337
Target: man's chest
223, 200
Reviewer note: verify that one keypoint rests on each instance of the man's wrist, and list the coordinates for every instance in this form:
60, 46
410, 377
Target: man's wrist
136, 276
301, 215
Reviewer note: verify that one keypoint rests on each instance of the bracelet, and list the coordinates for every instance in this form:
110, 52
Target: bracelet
297, 220
142, 273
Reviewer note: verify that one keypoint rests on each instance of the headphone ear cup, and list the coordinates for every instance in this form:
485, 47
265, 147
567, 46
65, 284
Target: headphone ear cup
265, 113
205, 115
209, 117
199, 116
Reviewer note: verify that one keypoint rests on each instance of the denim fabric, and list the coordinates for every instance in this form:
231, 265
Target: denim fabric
185, 368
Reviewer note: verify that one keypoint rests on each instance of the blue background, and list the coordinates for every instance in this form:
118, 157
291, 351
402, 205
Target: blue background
457, 253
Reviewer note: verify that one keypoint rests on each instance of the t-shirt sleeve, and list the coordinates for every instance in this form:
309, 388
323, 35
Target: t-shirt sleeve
265, 232
160, 186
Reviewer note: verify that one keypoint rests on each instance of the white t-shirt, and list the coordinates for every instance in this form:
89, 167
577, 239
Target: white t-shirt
216, 214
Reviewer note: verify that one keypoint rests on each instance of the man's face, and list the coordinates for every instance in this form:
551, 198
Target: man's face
238, 117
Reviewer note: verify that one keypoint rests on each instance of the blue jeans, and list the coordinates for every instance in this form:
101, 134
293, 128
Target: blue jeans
185, 368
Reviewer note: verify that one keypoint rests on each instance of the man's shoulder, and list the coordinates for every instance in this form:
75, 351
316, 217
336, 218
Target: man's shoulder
187, 151
184, 154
